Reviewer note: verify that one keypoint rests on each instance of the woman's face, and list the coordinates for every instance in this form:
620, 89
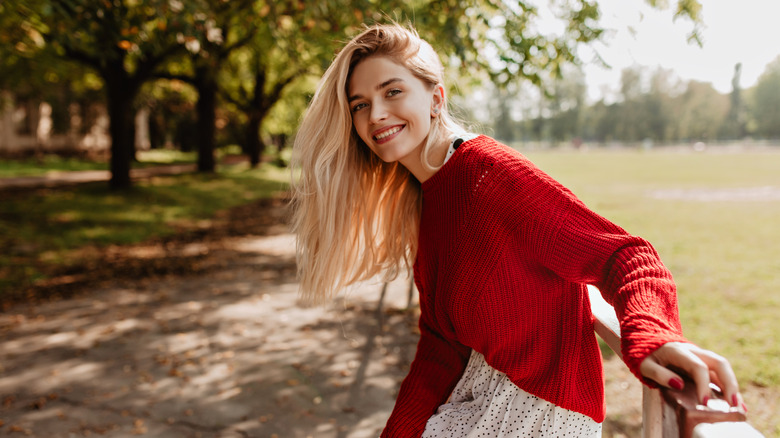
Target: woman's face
391, 108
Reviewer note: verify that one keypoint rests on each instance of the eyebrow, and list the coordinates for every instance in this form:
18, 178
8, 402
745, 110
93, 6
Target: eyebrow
378, 87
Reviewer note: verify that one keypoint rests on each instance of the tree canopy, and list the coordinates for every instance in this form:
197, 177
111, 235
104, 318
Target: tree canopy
247, 55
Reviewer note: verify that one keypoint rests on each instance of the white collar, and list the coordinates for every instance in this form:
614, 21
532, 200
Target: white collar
457, 140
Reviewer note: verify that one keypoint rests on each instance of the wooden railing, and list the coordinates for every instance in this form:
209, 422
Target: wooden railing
667, 413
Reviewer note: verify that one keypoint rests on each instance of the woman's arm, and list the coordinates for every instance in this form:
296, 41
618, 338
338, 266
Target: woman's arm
583, 247
435, 371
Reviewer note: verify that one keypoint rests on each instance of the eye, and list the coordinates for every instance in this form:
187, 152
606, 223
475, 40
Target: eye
358, 107
393, 92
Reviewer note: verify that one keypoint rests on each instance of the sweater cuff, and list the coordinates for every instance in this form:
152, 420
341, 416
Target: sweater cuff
634, 353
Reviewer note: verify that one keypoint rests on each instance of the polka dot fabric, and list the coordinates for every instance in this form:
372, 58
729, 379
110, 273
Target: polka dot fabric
485, 403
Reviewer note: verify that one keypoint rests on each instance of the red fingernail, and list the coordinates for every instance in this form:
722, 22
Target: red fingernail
734, 400
676, 383
706, 400
744, 408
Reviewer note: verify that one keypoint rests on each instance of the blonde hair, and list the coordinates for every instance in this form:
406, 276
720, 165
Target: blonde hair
354, 215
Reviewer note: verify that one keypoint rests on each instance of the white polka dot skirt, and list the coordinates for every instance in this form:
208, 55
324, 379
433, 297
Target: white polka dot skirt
485, 403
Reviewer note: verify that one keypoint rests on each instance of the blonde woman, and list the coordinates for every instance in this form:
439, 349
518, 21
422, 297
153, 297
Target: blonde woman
501, 254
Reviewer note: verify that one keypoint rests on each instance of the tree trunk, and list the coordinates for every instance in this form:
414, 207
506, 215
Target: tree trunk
121, 127
207, 114
254, 144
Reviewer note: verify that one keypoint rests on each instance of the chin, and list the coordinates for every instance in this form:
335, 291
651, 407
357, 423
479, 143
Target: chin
387, 158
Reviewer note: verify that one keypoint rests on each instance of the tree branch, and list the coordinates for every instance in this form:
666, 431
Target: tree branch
273, 96
174, 77
78, 55
241, 42
229, 98
147, 66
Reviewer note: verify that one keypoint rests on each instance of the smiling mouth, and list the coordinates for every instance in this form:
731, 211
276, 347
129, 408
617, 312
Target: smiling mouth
388, 134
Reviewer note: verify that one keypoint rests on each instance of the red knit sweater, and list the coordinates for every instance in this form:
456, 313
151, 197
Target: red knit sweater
504, 255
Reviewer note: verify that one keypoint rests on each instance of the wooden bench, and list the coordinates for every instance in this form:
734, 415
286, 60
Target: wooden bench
667, 413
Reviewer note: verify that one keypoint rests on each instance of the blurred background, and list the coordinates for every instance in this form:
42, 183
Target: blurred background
144, 146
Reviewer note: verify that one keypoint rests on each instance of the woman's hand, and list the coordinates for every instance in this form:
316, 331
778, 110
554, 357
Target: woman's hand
703, 366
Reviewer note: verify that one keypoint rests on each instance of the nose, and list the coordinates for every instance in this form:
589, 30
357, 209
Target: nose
378, 113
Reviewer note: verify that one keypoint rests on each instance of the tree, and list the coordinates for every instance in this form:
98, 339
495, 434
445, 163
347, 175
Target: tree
126, 42
734, 126
22, 54
259, 73
123, 41
766, 102
220, 28
297, 40
566, 105
656, 107
498, 38
628, 126
701, 111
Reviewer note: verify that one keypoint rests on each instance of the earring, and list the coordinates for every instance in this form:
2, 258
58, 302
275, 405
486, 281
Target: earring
436, 111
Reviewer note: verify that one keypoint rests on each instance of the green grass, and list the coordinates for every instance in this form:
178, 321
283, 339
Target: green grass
41, 166
44, 228
52, 163
724, 255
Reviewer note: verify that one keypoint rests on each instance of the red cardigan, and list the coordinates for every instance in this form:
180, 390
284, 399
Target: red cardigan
504, 255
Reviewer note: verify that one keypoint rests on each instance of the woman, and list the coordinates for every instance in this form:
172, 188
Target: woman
501, 254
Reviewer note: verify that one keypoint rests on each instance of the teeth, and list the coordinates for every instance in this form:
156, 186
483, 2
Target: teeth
390, 131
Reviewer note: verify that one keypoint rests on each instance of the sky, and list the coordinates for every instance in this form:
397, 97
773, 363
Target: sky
746, 31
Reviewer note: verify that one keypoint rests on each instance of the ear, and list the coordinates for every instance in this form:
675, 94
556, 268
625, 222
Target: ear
437, 102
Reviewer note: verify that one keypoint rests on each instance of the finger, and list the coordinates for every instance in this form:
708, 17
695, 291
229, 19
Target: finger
696, 369
734, 400
653, 370
723, 375
714, 379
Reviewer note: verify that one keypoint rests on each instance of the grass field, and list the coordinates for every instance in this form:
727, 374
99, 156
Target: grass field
715, 220
52, 163
45, 227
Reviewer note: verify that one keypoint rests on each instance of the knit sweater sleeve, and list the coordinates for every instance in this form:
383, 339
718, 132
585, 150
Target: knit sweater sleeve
435, 370
582, 247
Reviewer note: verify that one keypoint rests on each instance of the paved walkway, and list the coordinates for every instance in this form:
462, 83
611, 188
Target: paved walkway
225, 353
60, 178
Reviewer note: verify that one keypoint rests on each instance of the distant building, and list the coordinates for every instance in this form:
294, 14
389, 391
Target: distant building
27, 128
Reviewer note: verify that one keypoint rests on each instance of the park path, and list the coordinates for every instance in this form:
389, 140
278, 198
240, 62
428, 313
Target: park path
218, 346
63, 178
227, 352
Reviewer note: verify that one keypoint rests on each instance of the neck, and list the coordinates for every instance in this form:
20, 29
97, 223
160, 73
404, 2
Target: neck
413, 162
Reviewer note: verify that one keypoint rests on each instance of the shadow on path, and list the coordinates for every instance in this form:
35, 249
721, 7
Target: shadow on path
226, 352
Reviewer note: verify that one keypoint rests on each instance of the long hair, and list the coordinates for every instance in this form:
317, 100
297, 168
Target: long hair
354, 215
